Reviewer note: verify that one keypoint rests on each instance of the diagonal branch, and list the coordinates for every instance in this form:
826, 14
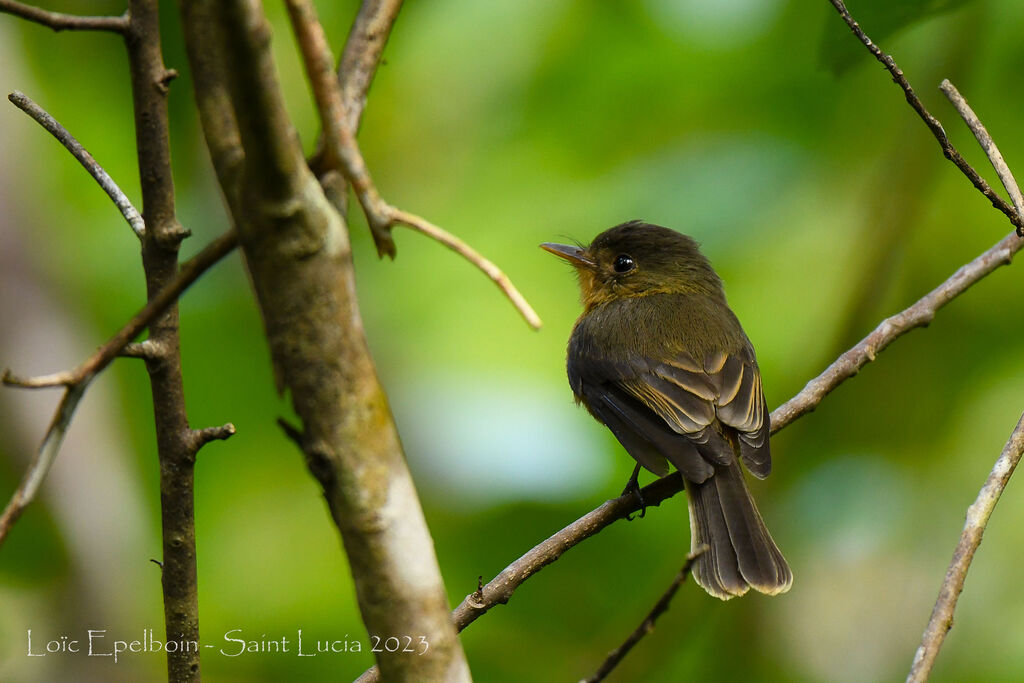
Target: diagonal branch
43, 458
40, 116
918, 315
948, 150
343, 152
76, 381
189, 273
59, 21
362, 55
978, 515
647, 625
988, 145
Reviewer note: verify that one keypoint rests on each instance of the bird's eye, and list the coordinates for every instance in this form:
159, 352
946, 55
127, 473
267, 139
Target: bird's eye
624, 263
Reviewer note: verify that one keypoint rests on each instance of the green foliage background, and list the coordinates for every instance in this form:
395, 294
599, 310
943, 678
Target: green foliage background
758, 126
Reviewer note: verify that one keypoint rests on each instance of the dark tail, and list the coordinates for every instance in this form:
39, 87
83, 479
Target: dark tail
741, 553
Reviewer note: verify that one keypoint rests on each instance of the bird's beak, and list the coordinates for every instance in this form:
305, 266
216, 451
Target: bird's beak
574, 255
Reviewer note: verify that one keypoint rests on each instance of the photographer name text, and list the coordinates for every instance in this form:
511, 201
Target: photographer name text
100, 643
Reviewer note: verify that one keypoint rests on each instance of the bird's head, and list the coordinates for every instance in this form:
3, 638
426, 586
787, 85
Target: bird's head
638, 259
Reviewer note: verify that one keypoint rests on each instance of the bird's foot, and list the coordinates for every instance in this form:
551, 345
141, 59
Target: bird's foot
633, 486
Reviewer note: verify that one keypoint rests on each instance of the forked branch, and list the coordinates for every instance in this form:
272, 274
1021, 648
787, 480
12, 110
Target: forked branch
343, 152
59, 21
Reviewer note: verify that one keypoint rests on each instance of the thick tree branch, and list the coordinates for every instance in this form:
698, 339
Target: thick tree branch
40, 116
948, 150
978, 515
988, 145
205, 49
298, 254
342, 151
64, 22
647, 625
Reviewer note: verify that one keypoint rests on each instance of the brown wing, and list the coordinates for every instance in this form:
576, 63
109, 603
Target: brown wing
662, 402
688, 396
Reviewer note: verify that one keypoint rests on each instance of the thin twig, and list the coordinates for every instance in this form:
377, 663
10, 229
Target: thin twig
197, 438
343, 151
59, 21
42, 460
919, 314
948, 150
492, 271
988, 145
978, 515
362, 55
130, 213
189, 273
647, 625
76, 381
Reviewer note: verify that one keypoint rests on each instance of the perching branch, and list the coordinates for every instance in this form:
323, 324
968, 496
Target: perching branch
647, 625
988, 145
948, 150
978, 515
343, 152
40, 116
59, 21
499, 590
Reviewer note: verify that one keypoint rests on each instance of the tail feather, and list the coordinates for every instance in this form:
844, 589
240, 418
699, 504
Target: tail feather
741, 553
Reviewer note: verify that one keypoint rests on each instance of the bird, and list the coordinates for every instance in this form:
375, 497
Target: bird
660, 359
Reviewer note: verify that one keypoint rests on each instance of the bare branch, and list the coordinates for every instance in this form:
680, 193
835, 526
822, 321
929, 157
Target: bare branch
197, 438
42, 460
342, 150
978, 515
500, 589
147, 349
57, 379
647, 625
189, 273
362, 55
918, 315
130, 213
205, 46
988, 145
271, 163
59, 21
948, 150
425, 227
